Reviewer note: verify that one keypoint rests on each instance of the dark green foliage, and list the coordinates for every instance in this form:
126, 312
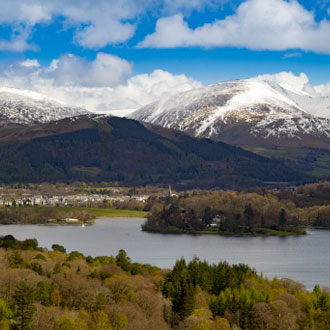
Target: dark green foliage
12, 243
29, 244
123, 260
282, 218
115, 149
180, 284
179, 287
60, 248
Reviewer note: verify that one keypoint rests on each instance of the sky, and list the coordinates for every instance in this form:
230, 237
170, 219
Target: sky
122, 54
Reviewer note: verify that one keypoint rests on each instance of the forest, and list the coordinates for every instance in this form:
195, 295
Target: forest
255, 212
56, 290
125, 151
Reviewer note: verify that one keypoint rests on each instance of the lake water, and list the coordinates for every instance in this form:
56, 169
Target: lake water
304, 258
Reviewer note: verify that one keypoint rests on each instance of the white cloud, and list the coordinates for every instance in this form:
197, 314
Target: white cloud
30, 63
18, 41
96, 23
101, 85
105, 71
146, 88
257, 25
288, 80
291, 55
175, 6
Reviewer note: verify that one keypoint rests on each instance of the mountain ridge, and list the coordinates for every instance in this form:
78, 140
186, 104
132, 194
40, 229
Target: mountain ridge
107, 148
19, 107
249, 111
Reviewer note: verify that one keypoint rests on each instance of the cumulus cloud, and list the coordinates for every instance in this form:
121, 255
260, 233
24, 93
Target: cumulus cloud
101, 85
96, 23
256, 24
288, 80
105, 71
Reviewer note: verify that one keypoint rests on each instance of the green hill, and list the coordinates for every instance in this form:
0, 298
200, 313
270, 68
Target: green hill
101, 148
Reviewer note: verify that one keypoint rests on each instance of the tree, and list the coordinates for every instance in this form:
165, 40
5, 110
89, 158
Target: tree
5, 315
123, 260
207, 216
15, 260
282, 218
30, 244
60, 248
24, 298
64, 323
119, 321
221, 324
248, 215
101, 321
56, 297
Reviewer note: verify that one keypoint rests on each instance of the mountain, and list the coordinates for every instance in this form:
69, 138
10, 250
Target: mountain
245, 112
105, 148
23, 107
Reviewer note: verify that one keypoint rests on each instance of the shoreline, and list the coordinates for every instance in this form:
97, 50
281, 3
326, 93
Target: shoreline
269, 233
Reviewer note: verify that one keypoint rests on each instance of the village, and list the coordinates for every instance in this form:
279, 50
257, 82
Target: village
70, 200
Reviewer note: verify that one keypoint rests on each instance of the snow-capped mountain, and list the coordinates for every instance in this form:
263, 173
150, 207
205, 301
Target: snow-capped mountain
251, 111
23, 107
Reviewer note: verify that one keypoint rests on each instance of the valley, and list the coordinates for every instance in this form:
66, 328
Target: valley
164, 165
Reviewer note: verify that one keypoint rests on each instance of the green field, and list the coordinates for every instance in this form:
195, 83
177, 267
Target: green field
314, 162
277, 152
103, 213
107, 213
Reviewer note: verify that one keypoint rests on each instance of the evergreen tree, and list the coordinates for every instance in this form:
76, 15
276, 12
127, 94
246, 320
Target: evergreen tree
207, 216
248, 215
282, 218
123, 260
24, 297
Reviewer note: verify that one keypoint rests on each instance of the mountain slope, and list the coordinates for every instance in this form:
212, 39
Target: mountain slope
244, 112
22, 107
102, 148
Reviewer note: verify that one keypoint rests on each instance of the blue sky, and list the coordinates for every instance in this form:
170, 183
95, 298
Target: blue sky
204, 40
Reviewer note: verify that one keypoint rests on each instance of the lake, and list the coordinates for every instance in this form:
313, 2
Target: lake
305, 259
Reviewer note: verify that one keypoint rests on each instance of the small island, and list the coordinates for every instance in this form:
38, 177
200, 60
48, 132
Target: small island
226, 213
177, 220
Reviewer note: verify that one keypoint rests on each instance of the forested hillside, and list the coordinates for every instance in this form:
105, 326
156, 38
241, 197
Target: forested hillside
58, 291
94, 148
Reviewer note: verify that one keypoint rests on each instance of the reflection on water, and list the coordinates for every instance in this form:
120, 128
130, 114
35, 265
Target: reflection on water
304, 258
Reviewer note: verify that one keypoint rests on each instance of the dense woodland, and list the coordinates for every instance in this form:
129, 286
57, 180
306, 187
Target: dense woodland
259, 212
125, 151
60, 291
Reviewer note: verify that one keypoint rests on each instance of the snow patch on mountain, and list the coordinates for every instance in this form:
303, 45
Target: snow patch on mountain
269, 109
23, 107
